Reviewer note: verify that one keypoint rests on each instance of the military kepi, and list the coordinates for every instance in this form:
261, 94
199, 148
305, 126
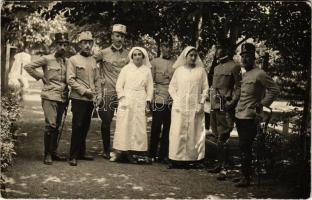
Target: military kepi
119, 28
248, 48
61, 37
86, 35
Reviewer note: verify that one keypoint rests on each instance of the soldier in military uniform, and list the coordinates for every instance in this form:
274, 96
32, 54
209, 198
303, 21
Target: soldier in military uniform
112, 59
54, 94
257, 90
162, 73
224, 95
83, 78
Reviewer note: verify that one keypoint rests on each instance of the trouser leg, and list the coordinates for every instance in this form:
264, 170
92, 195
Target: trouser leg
155, 129
48, 142
106, 114
247, 131
223, 149
82, 111
85, 128
164, 144
224, 124
60, 112
207, 121
50, 112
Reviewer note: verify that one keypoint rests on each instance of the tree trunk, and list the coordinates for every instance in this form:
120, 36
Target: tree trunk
199, 26
305, 118
158, 46
3, 53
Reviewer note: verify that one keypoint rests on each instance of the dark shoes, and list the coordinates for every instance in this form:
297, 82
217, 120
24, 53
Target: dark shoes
57, 157
73, 162
144, 160
106, 156
214, 170
164, 160
222, 175
244, 182
237, 179
47, 159
85, 157
178, 166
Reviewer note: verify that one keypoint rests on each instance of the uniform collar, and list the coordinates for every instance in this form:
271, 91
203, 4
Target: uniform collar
223, 59
167, 58
114, 49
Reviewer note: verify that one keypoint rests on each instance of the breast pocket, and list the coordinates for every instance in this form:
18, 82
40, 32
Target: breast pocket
162, 77
54, 73
81, 72
249, 87
222, 79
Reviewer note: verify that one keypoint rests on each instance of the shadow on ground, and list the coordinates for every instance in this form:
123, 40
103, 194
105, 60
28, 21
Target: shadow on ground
29, 178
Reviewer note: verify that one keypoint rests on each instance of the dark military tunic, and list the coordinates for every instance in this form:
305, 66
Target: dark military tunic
226, 83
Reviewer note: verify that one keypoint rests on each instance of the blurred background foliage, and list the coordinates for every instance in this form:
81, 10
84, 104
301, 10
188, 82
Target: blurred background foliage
281, 31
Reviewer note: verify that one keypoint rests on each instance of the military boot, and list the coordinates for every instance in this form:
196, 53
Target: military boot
244, 182
223, 157
105, 133
55, 155
220, 156
47, 148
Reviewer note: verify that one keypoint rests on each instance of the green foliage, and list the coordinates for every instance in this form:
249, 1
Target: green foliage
9, 115
22, 23
283, 27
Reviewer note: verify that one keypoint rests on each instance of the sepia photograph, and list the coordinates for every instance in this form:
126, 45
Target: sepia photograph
146, 99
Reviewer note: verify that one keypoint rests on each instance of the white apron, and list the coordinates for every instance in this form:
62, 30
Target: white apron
134, 87
187, 133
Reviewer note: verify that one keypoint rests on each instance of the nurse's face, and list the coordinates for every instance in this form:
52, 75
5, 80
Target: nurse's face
191, 58
137, 57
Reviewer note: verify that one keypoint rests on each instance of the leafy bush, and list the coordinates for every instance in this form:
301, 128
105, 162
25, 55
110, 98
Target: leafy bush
10, 113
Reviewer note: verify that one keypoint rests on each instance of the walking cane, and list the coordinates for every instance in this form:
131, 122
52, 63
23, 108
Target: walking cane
260, 138
62, 127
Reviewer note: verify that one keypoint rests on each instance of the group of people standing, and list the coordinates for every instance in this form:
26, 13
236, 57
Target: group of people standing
173, 90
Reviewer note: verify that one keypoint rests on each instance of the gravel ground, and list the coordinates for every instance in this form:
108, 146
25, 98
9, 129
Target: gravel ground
30, 178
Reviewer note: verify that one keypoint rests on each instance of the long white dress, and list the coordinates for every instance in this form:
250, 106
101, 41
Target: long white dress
134, 87
18, 73
188, 89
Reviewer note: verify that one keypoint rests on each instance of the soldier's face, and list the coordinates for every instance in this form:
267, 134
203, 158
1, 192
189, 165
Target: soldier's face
248, 60
137, 57
61, 48
86, 46
191, 58
220, 53
118, 39
166, 50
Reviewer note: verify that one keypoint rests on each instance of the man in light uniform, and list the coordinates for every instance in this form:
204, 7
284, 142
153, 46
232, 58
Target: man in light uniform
83, 78
54, 94
112, 59
257, 90
162, 73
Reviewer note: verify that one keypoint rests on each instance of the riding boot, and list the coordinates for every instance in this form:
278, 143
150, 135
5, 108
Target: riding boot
223, 157
220, 153
245, 170
105, 132
47, 148
55, 155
